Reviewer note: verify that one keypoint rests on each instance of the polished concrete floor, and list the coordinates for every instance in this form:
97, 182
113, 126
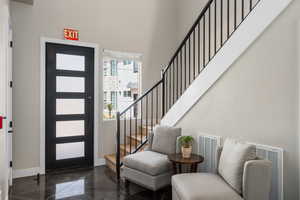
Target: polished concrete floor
84, 184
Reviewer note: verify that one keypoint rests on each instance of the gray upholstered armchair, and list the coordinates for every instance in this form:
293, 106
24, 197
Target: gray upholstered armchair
241, 176
152, 168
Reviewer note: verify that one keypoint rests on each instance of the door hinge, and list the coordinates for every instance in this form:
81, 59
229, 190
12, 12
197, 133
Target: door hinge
11, 84
11, 44
10, 164
10, 124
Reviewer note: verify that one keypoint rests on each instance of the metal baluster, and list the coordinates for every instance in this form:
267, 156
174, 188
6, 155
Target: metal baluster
163, 93
157, 105
204, 62
221, 44
180, 72
136, 123
215, 26
170, 87
125, 134
235, 7
189, 60
118, 162
194, 55
185, 66
199, 67
177, 78
130, 131
173, 66
151, 110
209, 30
228, 18
243, 10
141, 120
250, 5
147, 116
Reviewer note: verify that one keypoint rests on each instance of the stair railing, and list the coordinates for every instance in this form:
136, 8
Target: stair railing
136, 122
217, 22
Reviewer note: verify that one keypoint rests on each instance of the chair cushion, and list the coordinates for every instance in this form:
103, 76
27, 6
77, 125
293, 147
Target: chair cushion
164, 139
202, 186
232, 161
149, 162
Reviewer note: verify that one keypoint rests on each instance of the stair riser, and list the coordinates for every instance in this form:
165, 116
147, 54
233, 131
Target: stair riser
133, 141
145, 131
111, 165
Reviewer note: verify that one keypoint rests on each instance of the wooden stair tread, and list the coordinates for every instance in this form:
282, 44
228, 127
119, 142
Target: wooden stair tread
137, 137
127, 147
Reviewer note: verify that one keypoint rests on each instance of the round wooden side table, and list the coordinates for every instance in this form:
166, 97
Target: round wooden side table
177, 161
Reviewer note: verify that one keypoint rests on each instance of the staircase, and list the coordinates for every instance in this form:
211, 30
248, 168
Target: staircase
216, 23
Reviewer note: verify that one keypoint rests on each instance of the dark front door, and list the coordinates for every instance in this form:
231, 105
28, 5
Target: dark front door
69, 106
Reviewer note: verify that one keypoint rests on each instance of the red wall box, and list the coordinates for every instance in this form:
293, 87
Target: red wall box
1, 122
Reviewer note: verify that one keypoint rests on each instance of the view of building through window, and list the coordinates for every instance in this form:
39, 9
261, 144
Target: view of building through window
121, 83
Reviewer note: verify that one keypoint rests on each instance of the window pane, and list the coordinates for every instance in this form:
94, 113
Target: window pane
70, 62
69, 150
69, 106
69, 128
70, 84
120, 84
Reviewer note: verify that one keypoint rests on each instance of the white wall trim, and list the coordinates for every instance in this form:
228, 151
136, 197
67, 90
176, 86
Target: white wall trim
19, 173
100, 162
254, 25
43, 96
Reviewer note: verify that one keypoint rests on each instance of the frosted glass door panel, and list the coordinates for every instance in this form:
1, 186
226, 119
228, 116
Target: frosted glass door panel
69, 128
69, 150
70, 84
70, 62
69, 106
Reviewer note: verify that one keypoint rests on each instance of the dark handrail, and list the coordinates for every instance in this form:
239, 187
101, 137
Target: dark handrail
189, 34
141, 97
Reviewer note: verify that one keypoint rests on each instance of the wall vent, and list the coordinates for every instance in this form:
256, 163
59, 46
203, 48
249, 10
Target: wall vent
207, 147
275, 155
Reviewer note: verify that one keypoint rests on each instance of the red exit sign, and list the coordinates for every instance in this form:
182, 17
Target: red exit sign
71, 34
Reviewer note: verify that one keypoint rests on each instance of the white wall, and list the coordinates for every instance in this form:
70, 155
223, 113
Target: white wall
187, 12
140, 26
4, 29
257, 99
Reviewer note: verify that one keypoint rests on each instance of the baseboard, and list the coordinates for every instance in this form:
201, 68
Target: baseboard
99, 162
19, 173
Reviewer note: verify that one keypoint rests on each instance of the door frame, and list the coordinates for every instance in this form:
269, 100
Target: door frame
9, 107
43, 42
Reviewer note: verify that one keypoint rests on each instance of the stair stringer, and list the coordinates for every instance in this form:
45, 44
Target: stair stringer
249, 30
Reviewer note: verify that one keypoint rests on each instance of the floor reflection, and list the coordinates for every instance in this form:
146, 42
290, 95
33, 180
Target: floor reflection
70, 189
84, 184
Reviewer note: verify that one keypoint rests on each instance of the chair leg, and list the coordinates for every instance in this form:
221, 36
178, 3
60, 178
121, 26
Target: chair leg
155, 195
